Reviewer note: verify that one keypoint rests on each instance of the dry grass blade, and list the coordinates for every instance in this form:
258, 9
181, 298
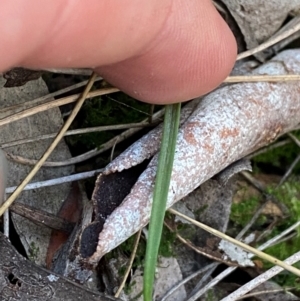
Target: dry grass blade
128, 106
83, 157
187, 279
289, 171
104, 91
255, 183
270, 42
240, 244
58, 181
219, 7
77, 132
261, 279
54, 104
229, 270
270, 147
48, 152
285, 42
262, 78
92, 153
252, 221
44, 98
135, 246
203, 280
286, 289
294, 163
198, 249
294, 138
199, 292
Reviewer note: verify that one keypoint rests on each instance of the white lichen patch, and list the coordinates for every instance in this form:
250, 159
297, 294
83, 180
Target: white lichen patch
52, 278
235, 253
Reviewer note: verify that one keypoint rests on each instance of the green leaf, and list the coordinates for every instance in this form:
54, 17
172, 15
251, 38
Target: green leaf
160, 195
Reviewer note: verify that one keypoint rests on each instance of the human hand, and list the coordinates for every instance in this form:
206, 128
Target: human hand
156, 51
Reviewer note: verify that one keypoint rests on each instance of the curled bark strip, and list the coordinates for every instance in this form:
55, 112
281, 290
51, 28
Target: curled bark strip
21, 279
227, 125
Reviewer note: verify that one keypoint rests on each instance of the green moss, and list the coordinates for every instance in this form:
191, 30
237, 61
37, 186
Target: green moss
33, 252
213, 295
101, 111
167, 242
122, 270
280, 156
242, 212
289, 195
199, 211
128, 287
187, 231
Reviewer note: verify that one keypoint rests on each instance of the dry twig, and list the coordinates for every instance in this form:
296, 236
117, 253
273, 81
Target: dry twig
261, 279
270, 42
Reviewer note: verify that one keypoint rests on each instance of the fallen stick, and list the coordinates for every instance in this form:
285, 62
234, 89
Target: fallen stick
227, 125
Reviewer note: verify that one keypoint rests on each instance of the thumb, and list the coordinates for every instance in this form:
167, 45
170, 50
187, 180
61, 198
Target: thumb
191, 55
156, 51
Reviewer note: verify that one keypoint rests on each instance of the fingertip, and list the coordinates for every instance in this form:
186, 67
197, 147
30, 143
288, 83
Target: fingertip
191, 56
187, 52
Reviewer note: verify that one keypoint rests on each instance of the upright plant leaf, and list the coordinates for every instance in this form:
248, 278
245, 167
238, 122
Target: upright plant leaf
161, 189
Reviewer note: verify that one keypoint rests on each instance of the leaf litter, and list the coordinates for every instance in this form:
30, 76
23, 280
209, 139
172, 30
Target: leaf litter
35, 239
218, 129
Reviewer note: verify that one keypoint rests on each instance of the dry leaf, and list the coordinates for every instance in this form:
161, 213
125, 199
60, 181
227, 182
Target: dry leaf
20, 76
168, 274
259, 20
34, 238
21, 279
211, 204
270, 290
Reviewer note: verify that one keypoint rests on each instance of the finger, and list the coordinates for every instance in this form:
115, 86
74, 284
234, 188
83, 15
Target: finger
192, 54
156, 52
76, 33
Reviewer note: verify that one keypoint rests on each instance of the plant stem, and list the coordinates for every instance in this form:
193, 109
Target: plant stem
160, 195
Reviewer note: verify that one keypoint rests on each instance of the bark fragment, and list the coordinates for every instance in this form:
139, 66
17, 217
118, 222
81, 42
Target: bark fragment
21, 279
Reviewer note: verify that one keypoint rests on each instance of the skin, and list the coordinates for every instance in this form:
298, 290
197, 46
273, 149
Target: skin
156, 51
